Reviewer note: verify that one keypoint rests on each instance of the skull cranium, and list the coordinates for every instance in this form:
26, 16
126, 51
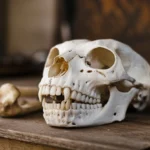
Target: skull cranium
88, 83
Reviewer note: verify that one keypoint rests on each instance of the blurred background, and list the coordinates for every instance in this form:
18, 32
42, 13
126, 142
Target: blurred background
29, 28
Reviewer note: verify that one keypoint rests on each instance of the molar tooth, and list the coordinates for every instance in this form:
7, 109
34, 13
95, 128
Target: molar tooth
66, 93
62, 105
94, 101
86, 99
99, 105
87, 106
83, 98
74, 105
92, 106
91, 100
58, 91
67, 106
53, 90
78, 106
98, 100
83, 106
78, 98
73, 95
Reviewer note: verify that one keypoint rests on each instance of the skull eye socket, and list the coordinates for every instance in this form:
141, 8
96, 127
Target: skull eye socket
100, 58
50, 59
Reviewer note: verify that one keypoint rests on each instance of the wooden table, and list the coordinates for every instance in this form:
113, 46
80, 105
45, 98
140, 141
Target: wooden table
30, 132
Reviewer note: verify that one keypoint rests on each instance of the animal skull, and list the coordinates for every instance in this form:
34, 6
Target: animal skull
89, 83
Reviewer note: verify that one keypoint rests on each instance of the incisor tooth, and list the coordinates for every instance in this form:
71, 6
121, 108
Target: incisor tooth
58, 106
66, 93
62, 105
47, 89
58, 91
53, 90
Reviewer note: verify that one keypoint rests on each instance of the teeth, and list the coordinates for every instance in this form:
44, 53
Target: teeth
83, 98
91, 100
78, 97
68, 104
40, 94
47, 89
74, 105
58, 106
87, 106
73, 95
62, 105
58, 91
78, 106
94, 101
83, 106
66, 93
86, 99
53, 90
98, 100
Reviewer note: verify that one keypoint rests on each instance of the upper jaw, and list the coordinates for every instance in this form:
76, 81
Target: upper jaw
66, 97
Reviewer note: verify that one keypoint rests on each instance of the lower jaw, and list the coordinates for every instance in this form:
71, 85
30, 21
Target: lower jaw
67, 118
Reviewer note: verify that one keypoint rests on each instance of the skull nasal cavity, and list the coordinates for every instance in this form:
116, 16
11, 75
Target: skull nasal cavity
50, 59
100, 58
58, 68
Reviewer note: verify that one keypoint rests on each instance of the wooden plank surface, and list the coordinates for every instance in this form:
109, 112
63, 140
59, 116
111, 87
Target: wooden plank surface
133, 133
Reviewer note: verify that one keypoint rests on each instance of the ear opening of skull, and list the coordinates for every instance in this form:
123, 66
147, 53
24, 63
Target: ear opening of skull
100, 58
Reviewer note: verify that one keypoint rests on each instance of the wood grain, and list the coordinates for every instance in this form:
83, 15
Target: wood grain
133, 133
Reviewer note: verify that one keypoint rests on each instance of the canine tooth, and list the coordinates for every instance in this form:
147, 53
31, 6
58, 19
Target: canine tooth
62, 105
82, 98
58, 91
86, 99
43, 90
53, 90
40, 94
98, 100
91, 100
78, 98
74, 105
66, 93
73, 95
83, 106
68, 104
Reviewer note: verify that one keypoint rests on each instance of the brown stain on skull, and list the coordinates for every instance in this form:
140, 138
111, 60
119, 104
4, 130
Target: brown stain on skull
101, 73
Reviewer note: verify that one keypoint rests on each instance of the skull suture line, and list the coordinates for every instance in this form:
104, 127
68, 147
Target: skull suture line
89, 83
